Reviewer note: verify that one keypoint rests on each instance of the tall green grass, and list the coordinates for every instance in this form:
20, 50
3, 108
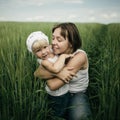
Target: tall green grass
102, 46
23, 97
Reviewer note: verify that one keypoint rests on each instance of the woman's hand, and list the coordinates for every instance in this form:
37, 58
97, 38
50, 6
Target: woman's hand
66, 74
41, 72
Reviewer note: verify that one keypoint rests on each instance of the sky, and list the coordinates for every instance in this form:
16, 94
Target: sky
90, 11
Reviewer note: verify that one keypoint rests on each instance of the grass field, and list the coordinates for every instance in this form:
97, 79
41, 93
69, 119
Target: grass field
22, 97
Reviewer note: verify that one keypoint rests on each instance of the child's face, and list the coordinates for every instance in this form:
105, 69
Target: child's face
43, 52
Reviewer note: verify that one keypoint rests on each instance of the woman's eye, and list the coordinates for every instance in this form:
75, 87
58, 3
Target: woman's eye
59, 40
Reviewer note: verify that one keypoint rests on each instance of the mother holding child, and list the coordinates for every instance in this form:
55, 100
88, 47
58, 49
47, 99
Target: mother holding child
64, 67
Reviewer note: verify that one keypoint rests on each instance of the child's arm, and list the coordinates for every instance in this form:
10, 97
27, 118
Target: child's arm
58, 65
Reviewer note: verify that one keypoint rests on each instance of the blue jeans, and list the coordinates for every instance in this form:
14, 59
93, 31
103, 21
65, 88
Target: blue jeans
78, 107
58, 104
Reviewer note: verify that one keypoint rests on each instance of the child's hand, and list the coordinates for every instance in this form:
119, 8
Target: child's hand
68, 55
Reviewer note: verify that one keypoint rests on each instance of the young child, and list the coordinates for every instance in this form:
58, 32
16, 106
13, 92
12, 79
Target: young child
38, 43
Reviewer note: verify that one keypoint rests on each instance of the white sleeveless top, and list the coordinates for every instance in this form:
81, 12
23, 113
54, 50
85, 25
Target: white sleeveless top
62, 90
79, 83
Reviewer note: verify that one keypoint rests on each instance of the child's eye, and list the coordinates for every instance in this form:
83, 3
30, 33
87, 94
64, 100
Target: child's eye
45, 47
38, 50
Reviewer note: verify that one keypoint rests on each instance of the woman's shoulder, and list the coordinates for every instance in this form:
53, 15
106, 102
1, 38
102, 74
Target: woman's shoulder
80, 51
79, 61
82, 55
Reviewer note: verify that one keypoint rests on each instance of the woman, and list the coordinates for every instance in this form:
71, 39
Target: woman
66, 40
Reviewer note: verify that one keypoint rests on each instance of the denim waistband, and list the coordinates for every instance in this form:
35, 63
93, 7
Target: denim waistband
75, 93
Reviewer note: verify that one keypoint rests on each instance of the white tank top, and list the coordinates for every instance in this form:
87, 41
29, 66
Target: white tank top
79, 83
62, 90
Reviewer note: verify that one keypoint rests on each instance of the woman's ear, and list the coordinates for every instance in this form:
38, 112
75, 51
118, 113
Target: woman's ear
71, 45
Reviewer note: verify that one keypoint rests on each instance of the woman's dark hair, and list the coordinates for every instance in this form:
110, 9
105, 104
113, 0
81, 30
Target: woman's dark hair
70, 30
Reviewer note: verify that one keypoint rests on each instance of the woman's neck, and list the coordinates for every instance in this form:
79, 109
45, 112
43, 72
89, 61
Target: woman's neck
69, 51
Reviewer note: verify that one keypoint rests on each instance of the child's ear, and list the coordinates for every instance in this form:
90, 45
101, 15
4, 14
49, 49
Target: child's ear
70, 45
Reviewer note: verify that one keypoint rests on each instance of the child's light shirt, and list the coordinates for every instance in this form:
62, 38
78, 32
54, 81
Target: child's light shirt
62, 90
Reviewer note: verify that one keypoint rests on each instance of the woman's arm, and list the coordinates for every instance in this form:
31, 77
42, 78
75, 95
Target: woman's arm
61, 78
41, 72
66, 73
58, 65
79, 61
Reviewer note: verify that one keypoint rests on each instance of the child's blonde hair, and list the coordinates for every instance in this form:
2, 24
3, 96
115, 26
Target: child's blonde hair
37, 35
38, 44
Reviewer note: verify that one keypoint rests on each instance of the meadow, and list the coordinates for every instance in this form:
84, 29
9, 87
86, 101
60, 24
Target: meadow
22, 96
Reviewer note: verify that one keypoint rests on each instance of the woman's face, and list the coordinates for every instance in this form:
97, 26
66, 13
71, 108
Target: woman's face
60, 45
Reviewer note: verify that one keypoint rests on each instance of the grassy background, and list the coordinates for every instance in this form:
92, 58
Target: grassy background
22, 97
